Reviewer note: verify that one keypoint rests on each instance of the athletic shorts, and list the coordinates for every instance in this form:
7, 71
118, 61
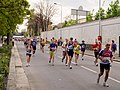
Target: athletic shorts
28, 54
42, 45
82, 50
70, 53
34, 47
96, 54
65, 53
104, 66
52, 53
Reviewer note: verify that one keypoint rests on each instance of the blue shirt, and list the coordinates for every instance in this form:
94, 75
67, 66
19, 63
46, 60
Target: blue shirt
52, 45
83, 47
34, 42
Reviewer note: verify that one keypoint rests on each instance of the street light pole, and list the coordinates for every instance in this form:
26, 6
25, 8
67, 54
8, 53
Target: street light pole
99, 18
61, 16
100, 29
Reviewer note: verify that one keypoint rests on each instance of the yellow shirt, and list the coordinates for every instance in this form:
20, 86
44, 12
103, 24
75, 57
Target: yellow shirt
77, 49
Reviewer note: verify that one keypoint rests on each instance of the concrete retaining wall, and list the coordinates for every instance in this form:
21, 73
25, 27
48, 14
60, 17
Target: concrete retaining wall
89, 31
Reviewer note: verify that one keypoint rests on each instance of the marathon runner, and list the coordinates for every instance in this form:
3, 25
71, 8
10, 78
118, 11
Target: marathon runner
52, 52
28, 52
65, 51
70, 51
83, 47
76, 51
96, 48
34, 43
105, 56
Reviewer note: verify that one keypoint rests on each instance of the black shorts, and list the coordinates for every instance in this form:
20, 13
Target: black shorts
104, 66
70, 53
42, 45
82, 50
28, 54
34, 47
96, 54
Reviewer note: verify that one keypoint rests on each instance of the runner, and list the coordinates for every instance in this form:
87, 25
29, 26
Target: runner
28, 52
113, 48
70, 51
34, 43
105, 56
96, 48
42, 45
65, 51
52, 52
83, 47
76, 51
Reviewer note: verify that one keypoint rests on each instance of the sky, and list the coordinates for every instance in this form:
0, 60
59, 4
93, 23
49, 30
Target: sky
67, 5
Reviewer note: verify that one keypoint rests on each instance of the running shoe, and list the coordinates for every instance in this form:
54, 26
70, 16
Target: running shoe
70, 67
105, 84
49, 61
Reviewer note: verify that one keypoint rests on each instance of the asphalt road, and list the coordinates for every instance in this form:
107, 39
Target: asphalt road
44, 76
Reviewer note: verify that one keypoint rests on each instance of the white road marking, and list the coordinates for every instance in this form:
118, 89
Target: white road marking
60, 57
73, 62
114, 80
96, 72
89, 69
47, 51
116, 62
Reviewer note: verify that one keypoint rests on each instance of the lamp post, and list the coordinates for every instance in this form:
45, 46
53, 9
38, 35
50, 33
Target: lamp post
61, 10
100, 34
61, 17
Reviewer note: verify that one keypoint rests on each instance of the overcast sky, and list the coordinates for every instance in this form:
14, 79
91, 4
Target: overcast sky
67, 5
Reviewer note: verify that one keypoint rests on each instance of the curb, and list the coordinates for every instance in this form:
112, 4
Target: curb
17, 79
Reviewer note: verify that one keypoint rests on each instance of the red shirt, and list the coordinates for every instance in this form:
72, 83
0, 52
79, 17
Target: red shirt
96, 47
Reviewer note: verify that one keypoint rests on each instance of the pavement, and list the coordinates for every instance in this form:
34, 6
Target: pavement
18, 80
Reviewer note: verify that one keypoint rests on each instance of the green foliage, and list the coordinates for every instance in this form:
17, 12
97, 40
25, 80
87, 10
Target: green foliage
102, 14
113, 9
69, 23
89, 17
12, 13
4, 63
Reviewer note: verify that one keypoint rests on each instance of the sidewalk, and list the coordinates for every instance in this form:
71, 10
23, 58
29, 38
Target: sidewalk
17, 79
91, 53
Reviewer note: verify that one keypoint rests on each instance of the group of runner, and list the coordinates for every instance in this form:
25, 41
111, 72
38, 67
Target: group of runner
74, 48
69, 48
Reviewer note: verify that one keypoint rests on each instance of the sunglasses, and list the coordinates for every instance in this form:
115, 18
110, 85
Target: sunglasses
108, 45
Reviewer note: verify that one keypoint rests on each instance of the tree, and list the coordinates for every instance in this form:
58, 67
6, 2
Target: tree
89, 17
45, 11
113, 10
12, 13
102, 14
69, 23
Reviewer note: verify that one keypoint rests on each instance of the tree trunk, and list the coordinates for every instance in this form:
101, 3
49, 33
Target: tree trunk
8, 38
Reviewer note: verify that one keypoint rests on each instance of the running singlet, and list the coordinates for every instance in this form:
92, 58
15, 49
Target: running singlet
29, 50
106, 55
70, 47
76, 49
52, 47
34, 42
83, 46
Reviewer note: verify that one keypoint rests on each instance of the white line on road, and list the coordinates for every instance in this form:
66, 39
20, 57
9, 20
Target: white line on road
96, 72
60, 57
89, 69
117, 62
